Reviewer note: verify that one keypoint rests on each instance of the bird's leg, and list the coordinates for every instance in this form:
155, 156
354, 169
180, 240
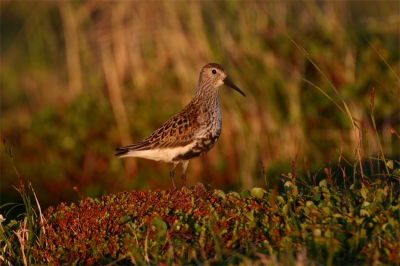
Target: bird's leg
183, 176
171, 174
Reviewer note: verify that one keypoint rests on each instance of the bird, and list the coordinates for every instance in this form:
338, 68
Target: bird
190, 133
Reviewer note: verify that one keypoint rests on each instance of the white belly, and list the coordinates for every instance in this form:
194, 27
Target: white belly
165, 154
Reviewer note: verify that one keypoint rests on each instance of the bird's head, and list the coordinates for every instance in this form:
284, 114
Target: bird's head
215, 75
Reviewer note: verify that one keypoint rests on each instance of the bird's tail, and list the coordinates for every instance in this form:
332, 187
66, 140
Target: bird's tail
121, 152
128, 150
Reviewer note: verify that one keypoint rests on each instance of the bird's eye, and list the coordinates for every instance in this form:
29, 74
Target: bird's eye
214, 71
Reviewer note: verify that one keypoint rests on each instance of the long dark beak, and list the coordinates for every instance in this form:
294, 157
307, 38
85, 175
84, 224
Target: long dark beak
229, 83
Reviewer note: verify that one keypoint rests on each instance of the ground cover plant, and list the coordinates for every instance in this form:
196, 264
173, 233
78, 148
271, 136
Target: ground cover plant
322, 223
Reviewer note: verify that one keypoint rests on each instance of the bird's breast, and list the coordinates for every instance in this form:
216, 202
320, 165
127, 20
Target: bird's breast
208, 130
204, 142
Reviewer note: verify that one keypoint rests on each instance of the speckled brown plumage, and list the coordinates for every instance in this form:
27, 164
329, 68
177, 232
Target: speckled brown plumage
190, 133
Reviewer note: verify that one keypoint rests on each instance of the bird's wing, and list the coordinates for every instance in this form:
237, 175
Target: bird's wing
138, 146
178, 131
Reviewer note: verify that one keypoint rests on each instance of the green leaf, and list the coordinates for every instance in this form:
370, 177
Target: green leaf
288, 185
396, 172
363, 233
323, 183
389, 164
250, 215
159, 223
309, 203
325, 190
352, 242
364, 192
387, 226
281, 199
380, 197
234, 193
221, 194
364, 212
245, 193
327, 210
338, 215
257, 192
317, 232
359, 221
329, 234
285, 209
306, 210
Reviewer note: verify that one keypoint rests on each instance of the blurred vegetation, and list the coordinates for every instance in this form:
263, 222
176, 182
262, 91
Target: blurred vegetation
79, 78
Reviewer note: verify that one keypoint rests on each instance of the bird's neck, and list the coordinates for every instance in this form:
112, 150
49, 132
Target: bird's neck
206, 94
206, 100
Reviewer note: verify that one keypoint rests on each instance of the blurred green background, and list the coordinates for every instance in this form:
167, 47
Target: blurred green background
80, 78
